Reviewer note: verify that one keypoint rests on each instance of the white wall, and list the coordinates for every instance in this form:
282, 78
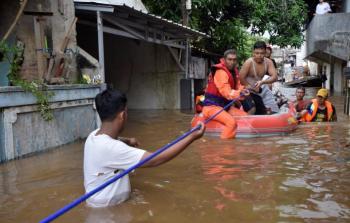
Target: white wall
328, 73
313, 68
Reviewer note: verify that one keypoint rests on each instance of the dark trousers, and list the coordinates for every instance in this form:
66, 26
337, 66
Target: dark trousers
260, 108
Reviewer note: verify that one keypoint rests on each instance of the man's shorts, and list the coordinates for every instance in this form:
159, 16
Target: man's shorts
248, 103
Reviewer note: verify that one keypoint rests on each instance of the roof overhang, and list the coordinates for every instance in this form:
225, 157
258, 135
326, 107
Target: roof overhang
126, 21
337, 46
95, 7
136, 4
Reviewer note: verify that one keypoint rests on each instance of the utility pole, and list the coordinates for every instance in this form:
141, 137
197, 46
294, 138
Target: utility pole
185, 8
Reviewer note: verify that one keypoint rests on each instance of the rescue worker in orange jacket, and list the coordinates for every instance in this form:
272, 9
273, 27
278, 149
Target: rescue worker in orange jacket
320, 109
223, 87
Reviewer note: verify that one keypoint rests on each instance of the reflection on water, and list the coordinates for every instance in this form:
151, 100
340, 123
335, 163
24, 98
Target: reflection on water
301, 177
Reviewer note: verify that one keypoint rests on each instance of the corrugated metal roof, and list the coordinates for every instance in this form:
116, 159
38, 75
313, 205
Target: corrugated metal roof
137, 4
165, 21
140, 14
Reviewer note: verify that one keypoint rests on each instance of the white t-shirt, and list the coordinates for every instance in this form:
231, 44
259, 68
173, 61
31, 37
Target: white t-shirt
104, 155
323, 8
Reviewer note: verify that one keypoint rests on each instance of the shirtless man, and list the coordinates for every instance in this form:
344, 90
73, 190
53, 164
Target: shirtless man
252, 76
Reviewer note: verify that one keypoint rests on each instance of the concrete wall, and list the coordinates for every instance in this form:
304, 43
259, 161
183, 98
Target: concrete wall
73, 120
323, 36
23, 131
145, 72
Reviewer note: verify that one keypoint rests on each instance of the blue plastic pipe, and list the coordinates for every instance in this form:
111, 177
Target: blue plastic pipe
120, 175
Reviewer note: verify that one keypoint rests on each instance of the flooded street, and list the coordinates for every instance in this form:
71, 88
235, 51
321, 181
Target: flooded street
301, 177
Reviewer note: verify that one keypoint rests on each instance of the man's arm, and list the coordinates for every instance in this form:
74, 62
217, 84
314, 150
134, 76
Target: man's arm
174, 150
244, 73
334, 115
274, 64
295, 103
272, 71
306, 110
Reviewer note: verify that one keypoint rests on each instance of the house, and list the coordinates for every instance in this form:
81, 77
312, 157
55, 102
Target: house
328, 43
144, 55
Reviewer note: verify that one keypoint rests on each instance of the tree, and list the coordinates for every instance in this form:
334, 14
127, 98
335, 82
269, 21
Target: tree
227, 21
283, 19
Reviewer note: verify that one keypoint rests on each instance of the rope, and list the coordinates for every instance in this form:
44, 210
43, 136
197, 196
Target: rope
120, 175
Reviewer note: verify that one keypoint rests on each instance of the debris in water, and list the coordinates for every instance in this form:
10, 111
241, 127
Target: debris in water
159, 185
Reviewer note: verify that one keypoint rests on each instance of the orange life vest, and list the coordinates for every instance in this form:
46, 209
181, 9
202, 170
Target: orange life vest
212, 94
310, 115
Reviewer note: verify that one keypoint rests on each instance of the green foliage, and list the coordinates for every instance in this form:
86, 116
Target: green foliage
282, 19
170, 9
81, 80
37, 88
227, 21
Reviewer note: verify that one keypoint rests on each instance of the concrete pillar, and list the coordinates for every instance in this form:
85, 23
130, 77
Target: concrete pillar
338, 78
347, 98
332, 75
347, 6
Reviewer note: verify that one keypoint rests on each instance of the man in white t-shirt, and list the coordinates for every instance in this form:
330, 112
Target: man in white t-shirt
106, 154
322, 8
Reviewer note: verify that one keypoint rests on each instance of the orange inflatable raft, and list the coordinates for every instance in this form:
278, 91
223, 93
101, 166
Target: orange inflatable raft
256, 125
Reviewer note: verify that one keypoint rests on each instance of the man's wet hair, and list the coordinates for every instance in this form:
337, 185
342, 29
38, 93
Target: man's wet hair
109, 103
259, 45
301, 88
230, 51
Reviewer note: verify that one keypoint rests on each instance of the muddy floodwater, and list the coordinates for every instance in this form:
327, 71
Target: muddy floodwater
300, 177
